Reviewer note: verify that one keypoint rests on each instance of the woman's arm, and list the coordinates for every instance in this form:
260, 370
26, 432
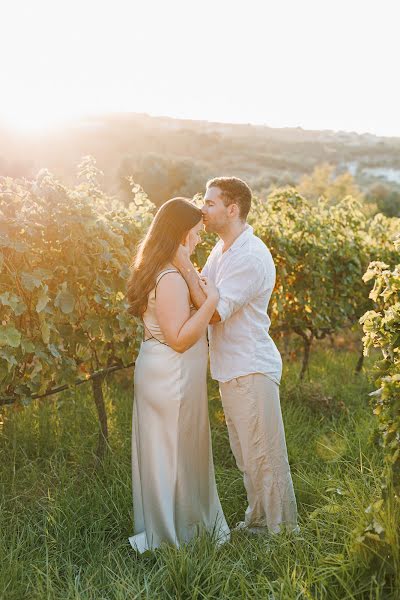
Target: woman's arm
183, 263
180, 329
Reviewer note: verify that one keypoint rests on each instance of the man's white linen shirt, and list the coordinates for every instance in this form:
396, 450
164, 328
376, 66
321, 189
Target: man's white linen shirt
245, 277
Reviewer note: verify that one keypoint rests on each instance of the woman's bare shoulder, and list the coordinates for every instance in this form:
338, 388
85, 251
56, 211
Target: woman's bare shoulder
172, 281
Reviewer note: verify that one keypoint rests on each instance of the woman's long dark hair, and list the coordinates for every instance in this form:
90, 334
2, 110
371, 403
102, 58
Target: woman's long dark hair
170, 226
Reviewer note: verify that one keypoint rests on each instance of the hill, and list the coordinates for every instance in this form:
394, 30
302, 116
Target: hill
179, 155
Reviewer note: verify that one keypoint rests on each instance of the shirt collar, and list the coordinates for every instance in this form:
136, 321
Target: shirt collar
242, 238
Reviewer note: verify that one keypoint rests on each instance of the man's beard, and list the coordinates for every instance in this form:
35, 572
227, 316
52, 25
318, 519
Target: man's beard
210, 228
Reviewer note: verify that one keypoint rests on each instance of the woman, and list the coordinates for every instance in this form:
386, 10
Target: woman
174, 490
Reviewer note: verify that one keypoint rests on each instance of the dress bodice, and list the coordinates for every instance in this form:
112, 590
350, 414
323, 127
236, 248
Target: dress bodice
150, 317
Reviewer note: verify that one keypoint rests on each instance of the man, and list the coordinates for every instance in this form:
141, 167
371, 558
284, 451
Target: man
243, 357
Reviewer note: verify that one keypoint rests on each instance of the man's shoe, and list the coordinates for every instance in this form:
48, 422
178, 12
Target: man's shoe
241, 526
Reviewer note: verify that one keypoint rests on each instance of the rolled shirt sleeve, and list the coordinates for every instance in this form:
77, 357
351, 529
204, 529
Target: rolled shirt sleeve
244, 279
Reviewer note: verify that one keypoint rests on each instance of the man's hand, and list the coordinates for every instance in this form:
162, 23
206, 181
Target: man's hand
181, 260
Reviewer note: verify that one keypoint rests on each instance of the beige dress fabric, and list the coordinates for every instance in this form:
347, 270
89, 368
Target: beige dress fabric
174, 490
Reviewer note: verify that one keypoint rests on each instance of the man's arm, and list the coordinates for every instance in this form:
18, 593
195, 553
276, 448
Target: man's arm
242, 282
238, 286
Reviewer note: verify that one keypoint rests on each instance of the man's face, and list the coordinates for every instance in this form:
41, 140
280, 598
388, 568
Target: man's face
215, 213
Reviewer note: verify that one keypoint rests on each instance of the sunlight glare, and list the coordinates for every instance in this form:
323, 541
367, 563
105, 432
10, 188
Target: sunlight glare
35, 120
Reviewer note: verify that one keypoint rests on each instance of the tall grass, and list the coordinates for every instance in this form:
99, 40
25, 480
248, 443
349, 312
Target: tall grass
64, 524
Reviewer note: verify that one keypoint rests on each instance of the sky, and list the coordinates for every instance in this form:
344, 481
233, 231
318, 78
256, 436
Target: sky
316, 64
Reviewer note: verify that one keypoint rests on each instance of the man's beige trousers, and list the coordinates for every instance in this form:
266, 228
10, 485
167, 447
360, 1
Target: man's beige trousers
256, 433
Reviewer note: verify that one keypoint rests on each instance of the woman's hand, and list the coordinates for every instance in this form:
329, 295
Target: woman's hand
210, 289
181, 260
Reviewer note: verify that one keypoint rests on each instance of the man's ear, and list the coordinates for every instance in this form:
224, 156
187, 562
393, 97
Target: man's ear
234, 210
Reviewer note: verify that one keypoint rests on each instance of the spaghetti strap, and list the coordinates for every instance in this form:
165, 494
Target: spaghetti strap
160, 276
152, 337
164, 272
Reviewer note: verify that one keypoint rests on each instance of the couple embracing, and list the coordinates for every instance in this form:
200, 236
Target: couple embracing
174, 491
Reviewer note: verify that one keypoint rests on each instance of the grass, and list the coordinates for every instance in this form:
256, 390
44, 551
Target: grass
64, 525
